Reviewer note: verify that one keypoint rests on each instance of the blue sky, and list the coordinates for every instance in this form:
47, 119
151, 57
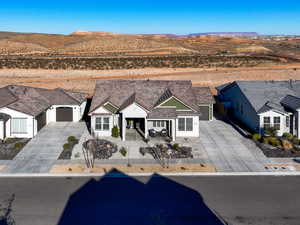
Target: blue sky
151, 16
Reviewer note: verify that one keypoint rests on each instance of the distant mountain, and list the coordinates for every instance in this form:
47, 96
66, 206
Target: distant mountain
233, 34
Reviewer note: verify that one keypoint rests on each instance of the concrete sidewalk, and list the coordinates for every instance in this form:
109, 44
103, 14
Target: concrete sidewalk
41, 153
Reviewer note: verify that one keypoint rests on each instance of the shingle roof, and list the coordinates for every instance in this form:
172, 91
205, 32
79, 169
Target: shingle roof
203, 95
271, 106
259, 93
147, 93
162, 113
33, 101
291, 102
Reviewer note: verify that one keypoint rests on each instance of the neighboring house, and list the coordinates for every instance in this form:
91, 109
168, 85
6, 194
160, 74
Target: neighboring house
176, 106
264, 104
26, 110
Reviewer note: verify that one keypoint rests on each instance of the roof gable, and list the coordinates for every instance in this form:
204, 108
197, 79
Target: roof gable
174, 102
108, 106
33, 101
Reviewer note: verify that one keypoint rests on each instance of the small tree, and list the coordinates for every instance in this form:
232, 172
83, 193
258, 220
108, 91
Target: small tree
115, 132
89, 150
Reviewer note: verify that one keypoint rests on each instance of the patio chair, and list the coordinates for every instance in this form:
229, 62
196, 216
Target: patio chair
164, 133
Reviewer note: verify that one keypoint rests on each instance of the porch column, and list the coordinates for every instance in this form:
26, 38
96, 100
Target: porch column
173, 129
298, 124
146, 128
123, 128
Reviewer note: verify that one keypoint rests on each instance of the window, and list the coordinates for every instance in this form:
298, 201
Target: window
158, 123
276, 120
267, 122
287, 121
102, 123
19, 125
189, 124
185, 124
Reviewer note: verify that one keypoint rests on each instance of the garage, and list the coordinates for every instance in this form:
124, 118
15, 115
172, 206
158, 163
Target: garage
41, 121
64, 114
206, 112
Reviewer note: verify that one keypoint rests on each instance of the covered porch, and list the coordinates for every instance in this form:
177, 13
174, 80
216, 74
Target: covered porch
144, 128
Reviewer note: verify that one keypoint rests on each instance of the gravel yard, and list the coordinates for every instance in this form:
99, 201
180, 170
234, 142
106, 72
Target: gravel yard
11, 147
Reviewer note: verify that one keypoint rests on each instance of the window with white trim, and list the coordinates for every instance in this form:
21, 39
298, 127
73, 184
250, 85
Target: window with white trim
185, 124
287, 121
102, 123
276, 121
19, 125
158, 123
267, 122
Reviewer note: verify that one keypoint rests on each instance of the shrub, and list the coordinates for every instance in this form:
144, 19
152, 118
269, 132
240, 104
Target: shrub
295, 141
123, 151
274, 142
19, 145
77, 155
175, 146
272, 131
72, 139
67, 146
266, 140
256, 137
287, 145
287, 135
10, 140
115, 132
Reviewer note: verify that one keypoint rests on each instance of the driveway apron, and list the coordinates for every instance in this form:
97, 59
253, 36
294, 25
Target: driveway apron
39, 155
225, 148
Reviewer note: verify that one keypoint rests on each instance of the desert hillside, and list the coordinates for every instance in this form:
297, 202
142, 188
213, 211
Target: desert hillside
104, 43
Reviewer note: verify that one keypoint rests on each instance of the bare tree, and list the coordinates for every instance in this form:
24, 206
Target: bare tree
89, 149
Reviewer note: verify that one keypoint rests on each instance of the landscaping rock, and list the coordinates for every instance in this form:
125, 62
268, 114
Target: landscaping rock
104, 148
161, 151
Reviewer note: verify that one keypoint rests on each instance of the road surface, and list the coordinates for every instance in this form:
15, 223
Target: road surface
216, 200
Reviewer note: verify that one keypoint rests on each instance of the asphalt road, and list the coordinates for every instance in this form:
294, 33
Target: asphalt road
259, 200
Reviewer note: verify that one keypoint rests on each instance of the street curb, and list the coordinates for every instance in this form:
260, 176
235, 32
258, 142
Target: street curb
116, 174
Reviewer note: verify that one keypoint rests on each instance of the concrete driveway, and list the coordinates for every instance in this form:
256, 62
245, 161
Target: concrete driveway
42, 151
228, 150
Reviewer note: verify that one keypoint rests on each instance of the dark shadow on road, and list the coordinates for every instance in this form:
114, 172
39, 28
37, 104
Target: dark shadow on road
117, 199
6, 212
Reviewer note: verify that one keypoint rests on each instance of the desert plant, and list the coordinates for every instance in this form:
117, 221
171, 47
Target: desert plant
271, 131
123, 151
67, 146
295, 141
287, 135
72, 139
10, 140
286, 144
175, 146
19, 145
256, 137
274, 141
266, 140
115, 132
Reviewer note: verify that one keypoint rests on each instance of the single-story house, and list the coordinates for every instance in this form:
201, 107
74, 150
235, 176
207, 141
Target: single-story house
175, 106
26, 110
264, 104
